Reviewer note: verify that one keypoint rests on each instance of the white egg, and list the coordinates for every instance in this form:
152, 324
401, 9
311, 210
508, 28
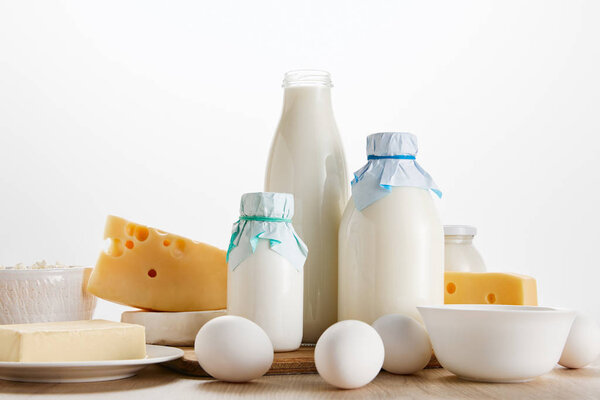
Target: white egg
583, 343
406, 343
233, 349
349, 354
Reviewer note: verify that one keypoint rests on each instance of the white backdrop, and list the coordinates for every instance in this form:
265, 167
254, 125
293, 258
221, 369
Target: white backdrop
163, 113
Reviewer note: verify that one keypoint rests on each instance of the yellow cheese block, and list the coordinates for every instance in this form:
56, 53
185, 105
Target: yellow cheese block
147, 268
489, 288
72, 341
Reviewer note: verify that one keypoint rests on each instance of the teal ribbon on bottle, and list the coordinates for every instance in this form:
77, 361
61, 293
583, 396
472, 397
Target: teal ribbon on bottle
396, 157
254, 240
264, 219
266, 216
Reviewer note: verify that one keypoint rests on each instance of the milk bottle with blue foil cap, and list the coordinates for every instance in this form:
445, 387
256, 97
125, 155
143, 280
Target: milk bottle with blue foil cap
266, 259
307, 160
391, 240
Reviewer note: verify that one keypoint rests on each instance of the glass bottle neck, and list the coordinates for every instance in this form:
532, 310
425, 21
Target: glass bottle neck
310, 77
312, 97
459, 239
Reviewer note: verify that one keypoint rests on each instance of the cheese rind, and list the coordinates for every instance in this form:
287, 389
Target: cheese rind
489, 288
91, 340
147, 268
171, 328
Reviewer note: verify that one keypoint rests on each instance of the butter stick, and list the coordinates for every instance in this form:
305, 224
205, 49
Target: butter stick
91, 340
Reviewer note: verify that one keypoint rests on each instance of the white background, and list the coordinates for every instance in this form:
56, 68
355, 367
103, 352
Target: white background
163, 113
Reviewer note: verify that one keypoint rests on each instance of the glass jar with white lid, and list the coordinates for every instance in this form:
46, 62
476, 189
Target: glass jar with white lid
460, 253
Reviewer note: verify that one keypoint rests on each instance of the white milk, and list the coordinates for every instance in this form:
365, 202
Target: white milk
307, 160
391, 256
267, 289
460, 254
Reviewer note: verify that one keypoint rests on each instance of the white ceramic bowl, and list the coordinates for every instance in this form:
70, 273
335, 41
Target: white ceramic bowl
497, 343
44, 295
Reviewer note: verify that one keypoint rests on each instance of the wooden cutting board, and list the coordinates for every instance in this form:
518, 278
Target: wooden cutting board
297, 362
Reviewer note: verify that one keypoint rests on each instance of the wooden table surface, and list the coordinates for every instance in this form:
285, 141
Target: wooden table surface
157, 382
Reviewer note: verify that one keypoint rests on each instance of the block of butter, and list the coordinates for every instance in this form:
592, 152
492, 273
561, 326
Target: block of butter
489, 288
147, 268
90, 340
171, 328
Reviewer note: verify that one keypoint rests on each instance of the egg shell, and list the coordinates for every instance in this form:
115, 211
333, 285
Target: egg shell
233, 349
583, 343
349, 354
406, 342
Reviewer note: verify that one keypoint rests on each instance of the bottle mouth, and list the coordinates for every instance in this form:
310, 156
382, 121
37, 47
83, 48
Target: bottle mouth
307, 77
460, 230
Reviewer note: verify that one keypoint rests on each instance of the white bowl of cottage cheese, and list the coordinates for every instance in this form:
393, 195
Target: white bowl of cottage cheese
44, 293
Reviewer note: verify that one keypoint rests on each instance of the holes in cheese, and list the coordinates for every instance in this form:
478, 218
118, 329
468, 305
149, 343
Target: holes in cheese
141, 233
113, 247
166, 273
451, 287
489, 288
178, 248
130, 229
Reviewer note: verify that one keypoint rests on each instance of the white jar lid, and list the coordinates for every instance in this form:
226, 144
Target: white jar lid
459, 230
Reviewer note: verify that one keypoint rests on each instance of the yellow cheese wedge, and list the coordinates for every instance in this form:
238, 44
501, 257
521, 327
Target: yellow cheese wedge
489, 288
147, 268
72, 341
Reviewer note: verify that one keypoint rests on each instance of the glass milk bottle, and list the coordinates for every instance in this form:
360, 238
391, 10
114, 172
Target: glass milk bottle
265, 260
391, 239
308, 161
460, 254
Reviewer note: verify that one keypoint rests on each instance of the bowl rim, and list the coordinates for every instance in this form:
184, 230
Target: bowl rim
498, 308
44, 270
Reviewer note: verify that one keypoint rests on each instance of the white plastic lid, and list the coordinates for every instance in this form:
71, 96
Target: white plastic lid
459, 230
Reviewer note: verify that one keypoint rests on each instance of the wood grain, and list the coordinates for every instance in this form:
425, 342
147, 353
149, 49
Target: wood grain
159, 383
301, 361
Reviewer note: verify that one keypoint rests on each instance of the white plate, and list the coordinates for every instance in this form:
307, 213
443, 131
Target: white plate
85, 371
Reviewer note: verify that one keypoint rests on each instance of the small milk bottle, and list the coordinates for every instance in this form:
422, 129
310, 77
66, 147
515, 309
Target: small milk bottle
307, 160
460, 254
265, 260
391, 239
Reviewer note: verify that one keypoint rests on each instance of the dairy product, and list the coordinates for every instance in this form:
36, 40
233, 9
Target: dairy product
171, 328
30, 295
489, 288
267, 289
265, 277
307, 160
391, 240
36, 265
90, 340
147, 268
460, 254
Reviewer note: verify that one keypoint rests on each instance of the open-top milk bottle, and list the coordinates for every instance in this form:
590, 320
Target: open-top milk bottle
308, 161
391, 242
